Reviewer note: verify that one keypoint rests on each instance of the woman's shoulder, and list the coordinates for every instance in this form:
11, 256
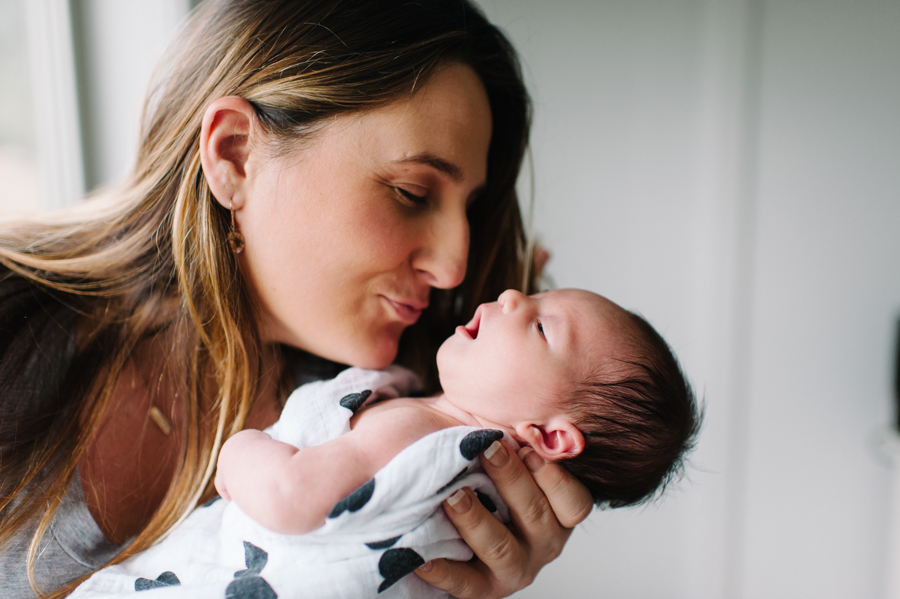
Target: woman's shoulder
74, 546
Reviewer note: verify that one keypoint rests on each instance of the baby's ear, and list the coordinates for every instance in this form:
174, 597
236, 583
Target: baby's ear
555, 440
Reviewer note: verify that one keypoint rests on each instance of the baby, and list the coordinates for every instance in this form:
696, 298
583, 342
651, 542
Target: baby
567, 372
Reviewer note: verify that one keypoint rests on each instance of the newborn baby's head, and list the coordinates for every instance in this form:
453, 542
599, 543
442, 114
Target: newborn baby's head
580, 380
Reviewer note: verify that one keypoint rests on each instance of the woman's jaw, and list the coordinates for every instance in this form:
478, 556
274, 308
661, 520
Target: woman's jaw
372, 341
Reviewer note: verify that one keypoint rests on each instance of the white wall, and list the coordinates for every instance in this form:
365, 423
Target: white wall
638, 137
827, 293
729, 169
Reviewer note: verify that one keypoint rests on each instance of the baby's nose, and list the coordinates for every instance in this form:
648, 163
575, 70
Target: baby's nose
510, 299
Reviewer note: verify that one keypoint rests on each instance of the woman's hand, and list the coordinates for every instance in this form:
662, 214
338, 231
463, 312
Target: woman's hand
544, 501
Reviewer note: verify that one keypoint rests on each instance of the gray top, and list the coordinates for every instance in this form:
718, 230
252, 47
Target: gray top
73, 546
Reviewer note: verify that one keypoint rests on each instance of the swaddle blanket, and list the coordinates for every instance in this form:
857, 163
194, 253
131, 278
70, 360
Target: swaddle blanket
371, 542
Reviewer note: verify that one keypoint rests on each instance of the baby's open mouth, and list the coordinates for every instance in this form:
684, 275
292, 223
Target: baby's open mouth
474, 324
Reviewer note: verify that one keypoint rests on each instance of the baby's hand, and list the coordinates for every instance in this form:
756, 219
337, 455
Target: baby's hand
221, 468
220, 487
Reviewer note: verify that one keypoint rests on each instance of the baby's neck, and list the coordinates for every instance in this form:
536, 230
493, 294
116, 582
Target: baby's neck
457, 416
423, 415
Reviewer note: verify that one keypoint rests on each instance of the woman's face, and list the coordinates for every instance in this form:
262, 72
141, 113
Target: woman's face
346, 237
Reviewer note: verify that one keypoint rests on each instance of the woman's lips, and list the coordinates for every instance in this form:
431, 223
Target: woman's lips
407, 311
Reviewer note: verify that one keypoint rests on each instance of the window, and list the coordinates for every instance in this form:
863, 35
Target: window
40, 143
20, 183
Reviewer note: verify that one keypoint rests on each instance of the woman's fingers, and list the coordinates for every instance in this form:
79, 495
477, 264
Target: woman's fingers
464, 580
570, 500
500, 567
544, 502
493, 543
529, 508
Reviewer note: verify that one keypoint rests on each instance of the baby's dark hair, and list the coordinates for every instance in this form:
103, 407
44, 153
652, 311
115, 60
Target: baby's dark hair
639, 419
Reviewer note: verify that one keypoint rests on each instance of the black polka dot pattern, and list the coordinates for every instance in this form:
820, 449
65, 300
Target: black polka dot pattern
355, 400
486, 501
166, 579
461, 474
250, 588
255, 558
383, 544
395, 564
211, 501
355, 500
476, 442
248, 584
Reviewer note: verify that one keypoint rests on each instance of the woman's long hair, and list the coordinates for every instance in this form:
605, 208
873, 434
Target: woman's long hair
82, 289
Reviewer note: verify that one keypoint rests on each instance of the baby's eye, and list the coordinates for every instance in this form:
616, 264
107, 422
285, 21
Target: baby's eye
411, 198
540, 329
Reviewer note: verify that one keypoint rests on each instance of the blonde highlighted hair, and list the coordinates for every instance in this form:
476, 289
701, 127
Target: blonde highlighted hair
81, 290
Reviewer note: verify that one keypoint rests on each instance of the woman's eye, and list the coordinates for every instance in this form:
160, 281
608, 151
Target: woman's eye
410, 197
540, 329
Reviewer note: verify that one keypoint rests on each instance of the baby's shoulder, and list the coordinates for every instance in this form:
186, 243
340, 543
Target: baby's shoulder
387, 427
402, 412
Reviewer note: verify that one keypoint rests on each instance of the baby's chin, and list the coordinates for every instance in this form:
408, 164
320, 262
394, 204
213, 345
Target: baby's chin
440, 358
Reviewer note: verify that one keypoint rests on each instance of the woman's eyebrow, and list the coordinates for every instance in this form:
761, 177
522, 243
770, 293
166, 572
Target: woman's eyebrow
448, 168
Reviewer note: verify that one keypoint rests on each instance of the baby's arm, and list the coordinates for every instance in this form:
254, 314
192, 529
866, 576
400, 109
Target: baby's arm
285, 489
290, 490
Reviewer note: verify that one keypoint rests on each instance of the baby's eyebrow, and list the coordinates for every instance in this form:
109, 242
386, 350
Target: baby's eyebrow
564, 330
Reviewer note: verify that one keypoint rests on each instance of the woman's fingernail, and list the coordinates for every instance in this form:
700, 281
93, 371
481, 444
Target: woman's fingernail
533, 461
460, 501
426, 567
496, 454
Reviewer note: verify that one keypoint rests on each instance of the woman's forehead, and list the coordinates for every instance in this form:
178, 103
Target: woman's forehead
446, 124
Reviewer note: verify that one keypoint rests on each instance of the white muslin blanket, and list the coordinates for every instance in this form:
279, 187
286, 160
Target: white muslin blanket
371, 542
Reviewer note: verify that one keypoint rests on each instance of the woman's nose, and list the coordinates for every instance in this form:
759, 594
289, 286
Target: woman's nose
446, 251
510, 299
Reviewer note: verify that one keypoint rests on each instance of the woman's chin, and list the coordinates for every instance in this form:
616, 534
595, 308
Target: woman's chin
362, 351
377, 356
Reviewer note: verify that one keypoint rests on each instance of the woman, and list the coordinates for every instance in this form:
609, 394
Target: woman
308, 172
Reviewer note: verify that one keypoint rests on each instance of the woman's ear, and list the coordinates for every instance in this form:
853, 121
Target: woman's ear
225, 148
555, 440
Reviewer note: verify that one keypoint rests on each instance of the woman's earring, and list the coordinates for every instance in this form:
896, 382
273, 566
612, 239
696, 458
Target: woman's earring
235, 239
